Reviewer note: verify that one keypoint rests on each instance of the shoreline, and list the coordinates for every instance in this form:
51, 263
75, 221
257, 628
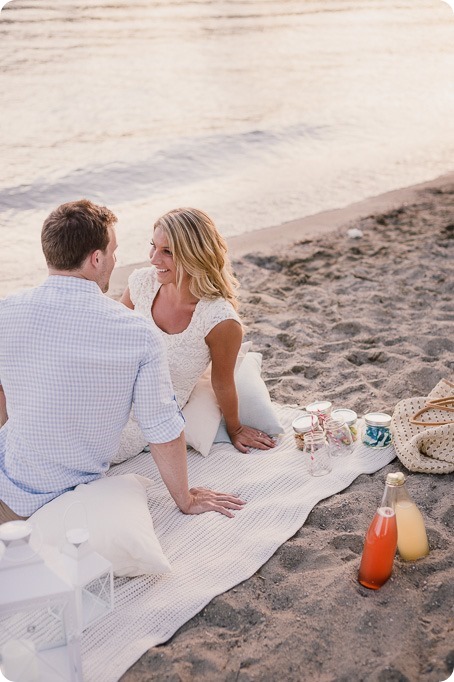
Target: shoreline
315, 225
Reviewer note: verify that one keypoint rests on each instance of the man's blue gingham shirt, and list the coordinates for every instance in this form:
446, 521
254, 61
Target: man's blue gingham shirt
72, 362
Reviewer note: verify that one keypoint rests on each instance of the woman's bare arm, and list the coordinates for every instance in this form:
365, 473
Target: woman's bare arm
224, 342
126, 299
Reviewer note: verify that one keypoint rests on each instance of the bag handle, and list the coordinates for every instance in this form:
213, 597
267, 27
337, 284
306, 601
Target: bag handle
442, 403
437, 404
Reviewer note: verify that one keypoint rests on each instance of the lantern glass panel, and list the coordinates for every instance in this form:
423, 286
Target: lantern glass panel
33, 643
91, 575
44, 626
96, 599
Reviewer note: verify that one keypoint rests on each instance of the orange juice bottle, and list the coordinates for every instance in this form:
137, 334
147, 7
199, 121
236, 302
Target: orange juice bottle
380, 542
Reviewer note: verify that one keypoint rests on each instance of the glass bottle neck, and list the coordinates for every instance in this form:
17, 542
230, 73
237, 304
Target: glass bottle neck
394, 494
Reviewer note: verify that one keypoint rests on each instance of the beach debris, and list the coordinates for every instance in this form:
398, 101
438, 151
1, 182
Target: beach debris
354, 233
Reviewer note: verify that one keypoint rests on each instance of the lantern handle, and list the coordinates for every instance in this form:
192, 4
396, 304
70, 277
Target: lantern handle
78, 530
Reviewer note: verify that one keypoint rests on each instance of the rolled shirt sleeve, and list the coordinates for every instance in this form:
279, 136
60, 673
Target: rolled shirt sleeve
155, 406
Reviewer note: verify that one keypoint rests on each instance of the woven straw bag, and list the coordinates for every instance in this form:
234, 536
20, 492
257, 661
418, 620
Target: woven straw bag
423, 431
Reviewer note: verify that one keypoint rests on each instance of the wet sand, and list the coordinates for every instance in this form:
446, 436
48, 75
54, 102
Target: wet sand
364, 323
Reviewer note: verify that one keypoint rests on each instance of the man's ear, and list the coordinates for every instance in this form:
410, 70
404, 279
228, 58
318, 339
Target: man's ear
94, 258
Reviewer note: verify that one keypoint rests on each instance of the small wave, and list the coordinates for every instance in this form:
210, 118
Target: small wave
190, 160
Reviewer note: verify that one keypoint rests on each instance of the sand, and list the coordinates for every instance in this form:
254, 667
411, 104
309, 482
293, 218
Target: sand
363, 322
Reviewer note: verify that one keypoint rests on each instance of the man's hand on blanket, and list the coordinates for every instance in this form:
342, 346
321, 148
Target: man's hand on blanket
171, 460
205, 500
246, 437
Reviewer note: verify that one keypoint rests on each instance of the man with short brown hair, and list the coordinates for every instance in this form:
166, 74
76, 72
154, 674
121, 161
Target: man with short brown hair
72, 363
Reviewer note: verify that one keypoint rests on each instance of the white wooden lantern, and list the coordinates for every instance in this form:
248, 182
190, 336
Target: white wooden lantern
38, 618
91, 576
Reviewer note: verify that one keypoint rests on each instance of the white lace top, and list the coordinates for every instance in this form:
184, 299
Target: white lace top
188, 353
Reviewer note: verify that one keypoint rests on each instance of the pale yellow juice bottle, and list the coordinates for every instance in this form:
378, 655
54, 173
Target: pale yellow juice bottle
412, 543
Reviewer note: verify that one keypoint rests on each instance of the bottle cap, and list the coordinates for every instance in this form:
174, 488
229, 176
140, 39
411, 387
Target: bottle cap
396, 478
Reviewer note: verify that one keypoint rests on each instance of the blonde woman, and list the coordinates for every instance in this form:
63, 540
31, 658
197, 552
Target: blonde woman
189, 294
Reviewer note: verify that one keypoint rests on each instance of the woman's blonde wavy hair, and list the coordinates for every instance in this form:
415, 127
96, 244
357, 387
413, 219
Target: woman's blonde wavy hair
201, 251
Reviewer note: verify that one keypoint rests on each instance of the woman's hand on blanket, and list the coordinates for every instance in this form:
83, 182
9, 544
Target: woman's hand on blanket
245, 437
205, 500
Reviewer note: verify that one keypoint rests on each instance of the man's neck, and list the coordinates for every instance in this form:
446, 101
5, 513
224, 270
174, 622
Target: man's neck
78, 274
67, 273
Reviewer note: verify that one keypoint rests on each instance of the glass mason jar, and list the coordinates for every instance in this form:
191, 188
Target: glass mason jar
316, 450
321, 408
303, 424
377, 432
350, 417
340, 439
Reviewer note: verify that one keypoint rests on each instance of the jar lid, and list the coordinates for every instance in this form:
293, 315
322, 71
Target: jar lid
319, 406
377, 419
396, 478
304, 423
342, 413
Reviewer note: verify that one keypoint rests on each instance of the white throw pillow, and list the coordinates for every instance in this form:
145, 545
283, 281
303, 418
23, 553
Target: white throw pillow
202, 413
115, 511
255, 406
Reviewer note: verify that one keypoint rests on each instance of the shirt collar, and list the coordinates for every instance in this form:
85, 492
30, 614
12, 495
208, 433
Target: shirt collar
74, 283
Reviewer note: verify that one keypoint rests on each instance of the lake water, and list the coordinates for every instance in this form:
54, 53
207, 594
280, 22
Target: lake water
257, 111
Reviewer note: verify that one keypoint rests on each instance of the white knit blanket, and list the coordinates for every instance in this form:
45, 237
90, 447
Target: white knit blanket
211, 553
